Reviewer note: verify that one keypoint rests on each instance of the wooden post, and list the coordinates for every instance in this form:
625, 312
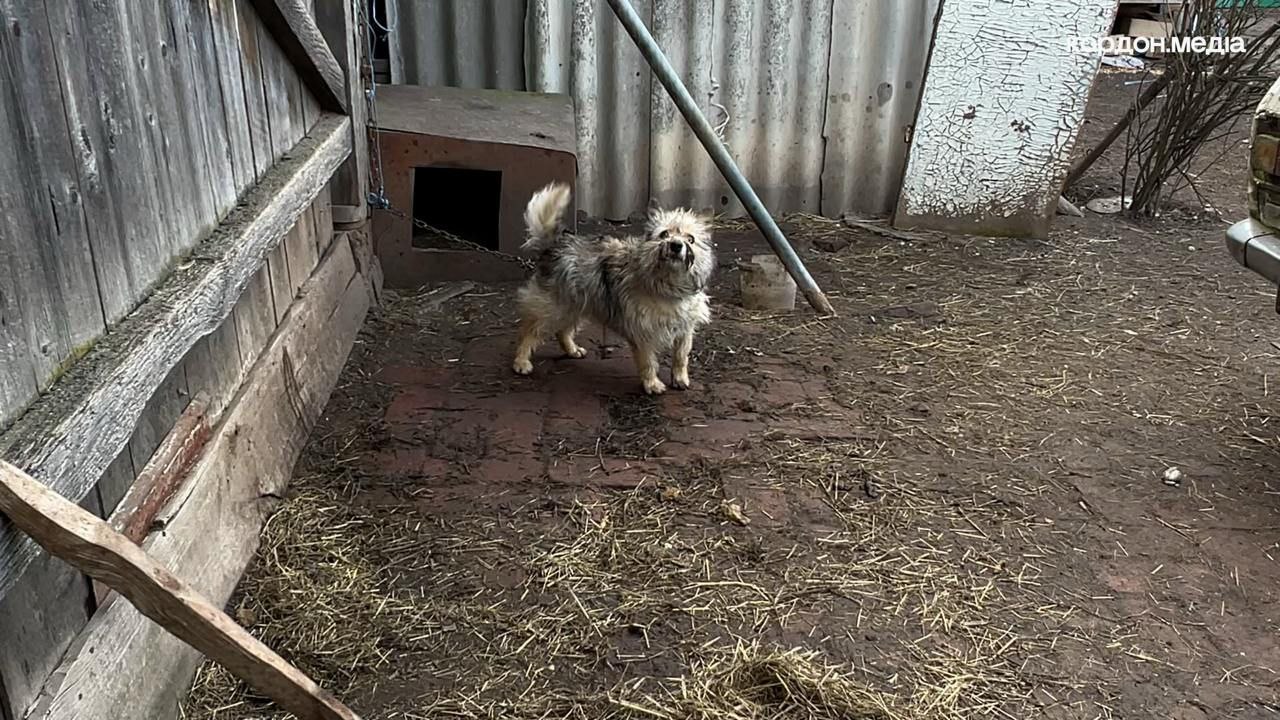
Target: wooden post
88, 543
338, 24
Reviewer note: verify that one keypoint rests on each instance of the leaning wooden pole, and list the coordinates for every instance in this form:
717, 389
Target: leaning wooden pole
719, 155
89, 544
1083, 164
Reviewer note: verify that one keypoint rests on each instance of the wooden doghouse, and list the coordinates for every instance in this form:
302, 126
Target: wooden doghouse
465, 158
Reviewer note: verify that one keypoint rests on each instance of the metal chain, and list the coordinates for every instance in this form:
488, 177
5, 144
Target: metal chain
454, 239
377, 184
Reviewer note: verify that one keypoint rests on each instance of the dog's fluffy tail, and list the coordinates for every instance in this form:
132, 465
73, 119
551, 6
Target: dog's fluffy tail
544, 216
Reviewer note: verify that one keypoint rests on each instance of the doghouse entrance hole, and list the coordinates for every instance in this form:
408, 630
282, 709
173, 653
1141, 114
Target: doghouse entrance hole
459, 201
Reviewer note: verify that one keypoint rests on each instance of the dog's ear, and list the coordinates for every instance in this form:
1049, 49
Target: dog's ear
703, 220
655, 216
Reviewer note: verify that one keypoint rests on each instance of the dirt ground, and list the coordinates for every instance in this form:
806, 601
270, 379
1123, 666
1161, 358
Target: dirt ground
945, 503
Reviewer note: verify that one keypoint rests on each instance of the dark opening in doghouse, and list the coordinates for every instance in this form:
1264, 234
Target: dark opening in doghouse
458, 201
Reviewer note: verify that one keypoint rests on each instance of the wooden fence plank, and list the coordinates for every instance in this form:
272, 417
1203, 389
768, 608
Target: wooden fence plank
366, 259
281, 91
196, 74
285, 117
162, 410
300, 248
184, 207
194, 39
310, 108
226, 40
255, 318
39, 620
254, 87
61, 235
71, 436
17, 381
116, 481
28, 236
323, 207
100, 91
122, 664
30, 247
281, 290
17, 378
213, 366
267, 147
310, 105
294, 29
91, 545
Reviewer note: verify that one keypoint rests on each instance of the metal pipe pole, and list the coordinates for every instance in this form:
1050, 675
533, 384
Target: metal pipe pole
719, 155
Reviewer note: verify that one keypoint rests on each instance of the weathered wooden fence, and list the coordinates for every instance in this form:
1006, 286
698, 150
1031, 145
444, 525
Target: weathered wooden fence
167, 202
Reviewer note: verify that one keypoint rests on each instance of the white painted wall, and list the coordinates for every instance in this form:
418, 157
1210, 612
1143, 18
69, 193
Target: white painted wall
1003, 99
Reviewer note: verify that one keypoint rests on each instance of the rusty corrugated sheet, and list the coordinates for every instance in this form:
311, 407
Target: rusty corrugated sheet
815, 96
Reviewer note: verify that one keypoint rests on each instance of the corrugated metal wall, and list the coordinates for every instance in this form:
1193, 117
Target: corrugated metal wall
815, 96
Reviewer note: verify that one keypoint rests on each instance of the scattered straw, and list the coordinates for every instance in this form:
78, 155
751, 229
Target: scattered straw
920, 545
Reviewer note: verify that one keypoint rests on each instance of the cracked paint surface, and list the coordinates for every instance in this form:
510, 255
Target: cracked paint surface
1003, 100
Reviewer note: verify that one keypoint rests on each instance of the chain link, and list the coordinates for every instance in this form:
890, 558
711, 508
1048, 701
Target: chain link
377, 195
377, 185
377, 190
526, 263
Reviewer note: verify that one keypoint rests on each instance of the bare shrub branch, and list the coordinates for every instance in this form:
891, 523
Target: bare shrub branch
1205, 96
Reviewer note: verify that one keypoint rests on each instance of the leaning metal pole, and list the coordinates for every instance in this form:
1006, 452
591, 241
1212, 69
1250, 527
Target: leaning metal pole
719, 155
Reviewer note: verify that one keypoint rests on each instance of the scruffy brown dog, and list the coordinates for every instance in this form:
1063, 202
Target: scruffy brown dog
648, 289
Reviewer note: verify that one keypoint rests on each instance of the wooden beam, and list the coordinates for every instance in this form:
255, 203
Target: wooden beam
89, 544
68, 438
294, 28
160, 477
123, 665
163, 473
351, 183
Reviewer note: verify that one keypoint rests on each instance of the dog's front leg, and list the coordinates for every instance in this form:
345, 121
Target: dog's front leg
680, 361
647, 366
567, 343
531, 328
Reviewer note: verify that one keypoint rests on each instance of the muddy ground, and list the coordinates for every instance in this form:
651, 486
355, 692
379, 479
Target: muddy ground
948, 502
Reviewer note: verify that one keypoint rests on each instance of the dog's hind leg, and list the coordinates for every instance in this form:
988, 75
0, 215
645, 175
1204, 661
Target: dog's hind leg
680, 361
647, 366
565, 336
531, 331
